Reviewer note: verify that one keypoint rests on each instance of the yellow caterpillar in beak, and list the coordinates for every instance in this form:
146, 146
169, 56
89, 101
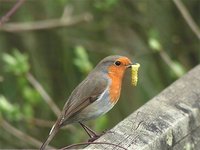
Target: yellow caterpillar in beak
134, 72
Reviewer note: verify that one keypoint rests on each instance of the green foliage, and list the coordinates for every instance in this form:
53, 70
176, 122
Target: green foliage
82, 60
154, 44
28, 111
105, 4
31, 95
10, 111
153, 41
101, 123
16, 63
63, 2
177, 69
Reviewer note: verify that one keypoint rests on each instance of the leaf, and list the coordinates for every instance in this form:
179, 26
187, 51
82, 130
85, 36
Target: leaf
154, 44
16, 63
178, 69
8, 110
31, 95
82, 60
5, 105
28, 111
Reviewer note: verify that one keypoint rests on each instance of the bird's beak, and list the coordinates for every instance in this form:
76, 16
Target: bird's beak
130, 65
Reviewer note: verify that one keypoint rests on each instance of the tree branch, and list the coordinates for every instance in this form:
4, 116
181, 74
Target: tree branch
42, 123
19, 134
49, 124
43, 93
7, 16
188, 18
46, 24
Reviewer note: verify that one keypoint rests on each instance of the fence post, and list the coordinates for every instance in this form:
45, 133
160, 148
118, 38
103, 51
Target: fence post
171, 120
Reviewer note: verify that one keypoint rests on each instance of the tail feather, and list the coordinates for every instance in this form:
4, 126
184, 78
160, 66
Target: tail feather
52, 129
52, 133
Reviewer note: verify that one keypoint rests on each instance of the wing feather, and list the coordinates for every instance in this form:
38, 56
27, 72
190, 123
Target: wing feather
86, 93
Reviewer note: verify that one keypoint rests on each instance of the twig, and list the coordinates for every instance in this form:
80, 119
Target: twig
19, 134
87, 143
188, 18
166, 58
49, 124
169, 62
43, 93
46, 24
7, 16
42, 123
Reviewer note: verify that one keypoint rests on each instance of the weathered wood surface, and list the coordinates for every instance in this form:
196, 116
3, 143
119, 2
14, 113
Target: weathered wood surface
171, 120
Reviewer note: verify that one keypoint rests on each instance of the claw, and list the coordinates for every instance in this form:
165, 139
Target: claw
92, 139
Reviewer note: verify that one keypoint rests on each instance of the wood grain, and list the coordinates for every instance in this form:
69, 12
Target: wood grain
171, 120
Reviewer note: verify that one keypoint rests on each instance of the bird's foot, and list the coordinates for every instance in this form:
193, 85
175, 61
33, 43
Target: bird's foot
92, 139
96, 136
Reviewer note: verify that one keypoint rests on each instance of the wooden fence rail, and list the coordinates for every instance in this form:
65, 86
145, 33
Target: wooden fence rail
171, 120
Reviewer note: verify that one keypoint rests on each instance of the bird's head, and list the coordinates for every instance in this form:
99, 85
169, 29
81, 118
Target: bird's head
114, 65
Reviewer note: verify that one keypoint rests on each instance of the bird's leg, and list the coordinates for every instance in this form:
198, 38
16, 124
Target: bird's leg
86, 130
93, 135
89, 131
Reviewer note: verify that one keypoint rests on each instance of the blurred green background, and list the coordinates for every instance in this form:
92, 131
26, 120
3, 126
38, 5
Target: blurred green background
55, 43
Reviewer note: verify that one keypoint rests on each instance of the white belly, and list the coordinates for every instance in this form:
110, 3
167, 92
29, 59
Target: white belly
101, 106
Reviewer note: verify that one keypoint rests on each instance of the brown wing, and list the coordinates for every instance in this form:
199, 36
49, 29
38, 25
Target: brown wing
84, 94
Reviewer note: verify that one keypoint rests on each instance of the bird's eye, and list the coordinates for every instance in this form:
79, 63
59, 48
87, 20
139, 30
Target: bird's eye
117, 63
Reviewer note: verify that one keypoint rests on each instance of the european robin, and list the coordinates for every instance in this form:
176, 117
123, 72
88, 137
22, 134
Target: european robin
94, 96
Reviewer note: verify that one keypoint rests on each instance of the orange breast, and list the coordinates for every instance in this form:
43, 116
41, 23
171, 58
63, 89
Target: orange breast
116, 75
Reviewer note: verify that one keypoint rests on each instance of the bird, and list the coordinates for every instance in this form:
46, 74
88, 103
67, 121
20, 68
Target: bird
94, 96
